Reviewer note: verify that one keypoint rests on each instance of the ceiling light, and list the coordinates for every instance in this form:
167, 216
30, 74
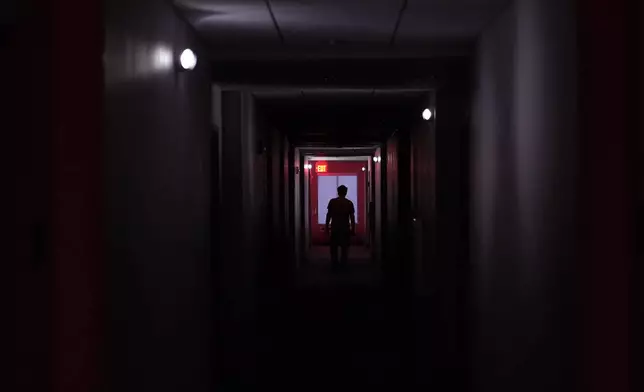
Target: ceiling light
188, 59
427, 114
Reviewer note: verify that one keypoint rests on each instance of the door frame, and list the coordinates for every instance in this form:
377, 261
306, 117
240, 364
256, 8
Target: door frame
317, 230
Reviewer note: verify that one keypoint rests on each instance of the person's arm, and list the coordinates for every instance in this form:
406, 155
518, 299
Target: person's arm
328, 216
352, 217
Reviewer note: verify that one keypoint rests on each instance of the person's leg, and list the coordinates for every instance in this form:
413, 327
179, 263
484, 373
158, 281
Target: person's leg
346, 239
334, 252
345, 254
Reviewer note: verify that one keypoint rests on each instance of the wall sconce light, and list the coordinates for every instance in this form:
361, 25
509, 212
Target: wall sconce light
377, 159
363, 168
188, 60
427, 114
308, 166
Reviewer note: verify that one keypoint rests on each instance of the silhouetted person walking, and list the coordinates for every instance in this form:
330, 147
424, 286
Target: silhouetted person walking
341, 215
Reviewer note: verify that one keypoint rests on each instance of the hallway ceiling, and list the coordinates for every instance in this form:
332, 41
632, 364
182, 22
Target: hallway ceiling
380, 74
338, 25
339, 72
296, 96
338, 152
340, 117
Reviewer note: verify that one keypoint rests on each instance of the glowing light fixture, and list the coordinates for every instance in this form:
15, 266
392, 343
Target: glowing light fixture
188, 59
320, 168
427, 114
162, 58
308, 166
377, 159
363, 169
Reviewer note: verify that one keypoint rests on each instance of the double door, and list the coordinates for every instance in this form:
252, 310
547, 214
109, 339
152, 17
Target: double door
326, 189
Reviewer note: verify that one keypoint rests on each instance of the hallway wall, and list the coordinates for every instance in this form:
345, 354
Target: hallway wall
378, 192
423, 195
607, 221
157, 148
276, 272
25, 203
298, 206
449, 266
290, 202
389, 172
397, 227
246, 222
524, 192
637, 66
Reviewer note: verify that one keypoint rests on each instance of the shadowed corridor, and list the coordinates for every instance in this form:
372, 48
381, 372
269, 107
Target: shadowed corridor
169, 166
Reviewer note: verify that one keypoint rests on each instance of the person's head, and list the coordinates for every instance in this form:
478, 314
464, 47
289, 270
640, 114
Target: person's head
342, 191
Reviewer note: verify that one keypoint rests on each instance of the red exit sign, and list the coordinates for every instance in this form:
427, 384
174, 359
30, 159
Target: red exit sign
320, 168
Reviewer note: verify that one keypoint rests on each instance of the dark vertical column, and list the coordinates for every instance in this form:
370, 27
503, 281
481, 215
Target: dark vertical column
276, 269
396, 164
636, 60
77, 243
297, 205
306, 211
275, 181
265, 274
25, 169
607, 208
389, 168
524, 201
235, 295
232, 181
424, 177
290, 202
285, 193
452, 230
378, 194
422, 187
452, 177
216, 210
403, 206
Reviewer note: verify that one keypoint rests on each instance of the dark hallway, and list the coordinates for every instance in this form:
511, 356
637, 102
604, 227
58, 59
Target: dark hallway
171, 167
341, 337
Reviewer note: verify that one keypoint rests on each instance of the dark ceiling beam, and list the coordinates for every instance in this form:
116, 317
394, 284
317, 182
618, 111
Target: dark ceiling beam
279, 93
269, 6
359, 149
335, 142
369, 74
317, 149
455, 48
394, 34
